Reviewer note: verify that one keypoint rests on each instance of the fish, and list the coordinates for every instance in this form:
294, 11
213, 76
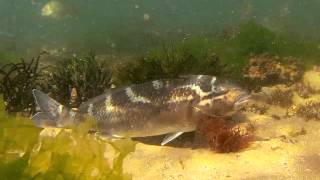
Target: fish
161, 107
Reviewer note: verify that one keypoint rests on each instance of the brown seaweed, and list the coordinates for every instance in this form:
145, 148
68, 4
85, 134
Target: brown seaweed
310, 110
16, 83
266, 69
256, 108
76, 79
223, 135
281, 97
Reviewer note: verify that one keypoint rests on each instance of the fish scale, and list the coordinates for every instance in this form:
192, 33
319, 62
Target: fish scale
171, 106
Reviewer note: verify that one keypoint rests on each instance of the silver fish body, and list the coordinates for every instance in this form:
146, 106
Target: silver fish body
154, 108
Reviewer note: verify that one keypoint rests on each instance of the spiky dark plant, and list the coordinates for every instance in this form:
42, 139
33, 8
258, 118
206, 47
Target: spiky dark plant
16, 83
88, 76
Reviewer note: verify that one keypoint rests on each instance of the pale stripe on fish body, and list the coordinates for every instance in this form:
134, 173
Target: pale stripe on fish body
170, 106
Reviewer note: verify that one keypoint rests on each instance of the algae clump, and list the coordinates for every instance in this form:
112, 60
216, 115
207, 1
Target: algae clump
28, 152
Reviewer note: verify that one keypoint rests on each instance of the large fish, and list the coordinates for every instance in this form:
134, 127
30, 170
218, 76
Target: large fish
148, 109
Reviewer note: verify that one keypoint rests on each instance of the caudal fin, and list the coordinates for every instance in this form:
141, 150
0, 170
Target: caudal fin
52, 114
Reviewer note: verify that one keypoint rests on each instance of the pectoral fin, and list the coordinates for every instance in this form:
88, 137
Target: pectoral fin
170, 137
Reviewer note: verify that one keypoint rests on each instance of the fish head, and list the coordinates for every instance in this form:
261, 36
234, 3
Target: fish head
226, 98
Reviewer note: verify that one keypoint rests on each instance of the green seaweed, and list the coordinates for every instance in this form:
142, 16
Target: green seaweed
255, 39
24, 154
17, 137
14, 169
170, 61
252, 38
216, 55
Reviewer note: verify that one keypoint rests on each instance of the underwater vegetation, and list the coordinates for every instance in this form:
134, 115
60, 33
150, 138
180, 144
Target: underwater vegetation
72, 81
255, 108
281, 97
16, 83
266, 69
221, 56
252, 40
246, 40
223, 135
85, 76
309, 110
27, 152
251, 54
170, 61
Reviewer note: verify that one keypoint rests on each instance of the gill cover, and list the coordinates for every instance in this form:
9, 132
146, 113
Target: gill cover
52, 113
225, 99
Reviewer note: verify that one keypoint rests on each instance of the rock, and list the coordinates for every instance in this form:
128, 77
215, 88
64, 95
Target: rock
312, 79
267, 69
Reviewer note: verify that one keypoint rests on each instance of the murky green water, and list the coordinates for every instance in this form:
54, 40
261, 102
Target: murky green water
133, 26
88, 46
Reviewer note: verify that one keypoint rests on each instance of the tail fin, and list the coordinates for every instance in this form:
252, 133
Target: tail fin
52, 114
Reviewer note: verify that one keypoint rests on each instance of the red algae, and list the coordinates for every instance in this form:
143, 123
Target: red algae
223, 135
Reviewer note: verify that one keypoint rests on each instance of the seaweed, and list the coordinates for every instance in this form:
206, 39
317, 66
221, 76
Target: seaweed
76, 79
14, 169
223, 55
170, 61
281, 98
17, 82
266, 69
255, 39
247, 39
250, 39
309, 110
256, 108
27, 152
222, 135
71, 81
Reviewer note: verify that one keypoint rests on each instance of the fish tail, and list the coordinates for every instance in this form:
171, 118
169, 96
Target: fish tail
52, 113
